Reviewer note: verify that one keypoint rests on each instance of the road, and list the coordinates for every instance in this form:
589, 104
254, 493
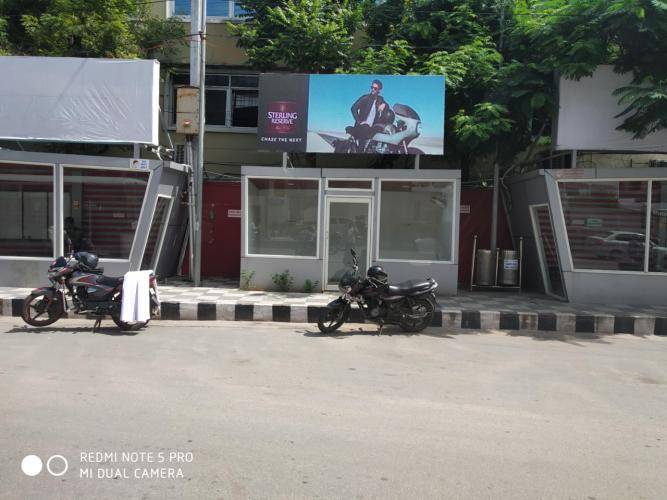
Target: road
252, 410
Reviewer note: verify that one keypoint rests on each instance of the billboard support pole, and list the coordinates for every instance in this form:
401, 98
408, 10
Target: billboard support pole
417, 162
494, 209
573, 160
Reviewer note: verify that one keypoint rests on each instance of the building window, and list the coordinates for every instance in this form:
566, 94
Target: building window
416, 220
231, 100
606, 223
26, 210
282, 217
227, 9
658, 242
102, 210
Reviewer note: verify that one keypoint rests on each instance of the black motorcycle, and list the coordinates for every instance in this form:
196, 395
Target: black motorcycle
394, 138
90, 292
410, 305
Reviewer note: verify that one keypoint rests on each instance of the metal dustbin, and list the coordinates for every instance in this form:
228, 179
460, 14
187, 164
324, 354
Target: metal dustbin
509, 268
484, 268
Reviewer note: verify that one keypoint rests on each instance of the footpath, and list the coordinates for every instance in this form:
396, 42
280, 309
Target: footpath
222, 300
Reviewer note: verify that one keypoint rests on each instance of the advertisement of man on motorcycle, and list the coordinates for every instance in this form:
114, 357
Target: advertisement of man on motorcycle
376, 114
348, 114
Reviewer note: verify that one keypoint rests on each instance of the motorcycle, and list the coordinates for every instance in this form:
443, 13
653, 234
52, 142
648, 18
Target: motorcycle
410, 305
77, 285
395, 138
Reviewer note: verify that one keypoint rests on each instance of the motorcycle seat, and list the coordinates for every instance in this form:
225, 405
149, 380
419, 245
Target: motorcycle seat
109, 281
409, 287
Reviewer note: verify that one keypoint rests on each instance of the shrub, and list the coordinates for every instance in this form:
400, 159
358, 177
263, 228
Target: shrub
246, 278
283, 281
310, 286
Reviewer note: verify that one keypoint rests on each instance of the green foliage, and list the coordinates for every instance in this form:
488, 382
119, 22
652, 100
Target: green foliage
86, 28
246, 278
500, 58
575, 36
310, 286
486, 122
283, 281
395, 58
645, 107
4, 37
313, 36
471, 65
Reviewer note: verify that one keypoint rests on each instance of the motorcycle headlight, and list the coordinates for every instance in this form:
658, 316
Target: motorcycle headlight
419, 128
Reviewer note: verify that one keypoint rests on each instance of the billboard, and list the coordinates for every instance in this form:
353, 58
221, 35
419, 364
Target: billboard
71, 99
367, 114
587, 116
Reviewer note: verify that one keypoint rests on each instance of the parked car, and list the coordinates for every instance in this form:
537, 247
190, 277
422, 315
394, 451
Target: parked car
621, 245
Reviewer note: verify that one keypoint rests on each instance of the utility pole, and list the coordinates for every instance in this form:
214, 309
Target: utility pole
197, 79
496, 166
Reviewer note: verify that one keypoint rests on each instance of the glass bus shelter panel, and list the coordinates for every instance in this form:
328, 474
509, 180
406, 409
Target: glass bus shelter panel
658, 242
606, 223
104, 208
348, 229
26, 210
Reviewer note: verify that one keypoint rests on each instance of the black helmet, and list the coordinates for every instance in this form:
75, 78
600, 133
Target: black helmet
377, 275
87, 261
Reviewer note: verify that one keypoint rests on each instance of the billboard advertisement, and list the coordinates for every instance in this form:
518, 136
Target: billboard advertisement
366, 114
588, 116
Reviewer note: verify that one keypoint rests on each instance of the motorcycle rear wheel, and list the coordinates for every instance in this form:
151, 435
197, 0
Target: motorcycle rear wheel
331, 320
36, 305
123, 325
422, 307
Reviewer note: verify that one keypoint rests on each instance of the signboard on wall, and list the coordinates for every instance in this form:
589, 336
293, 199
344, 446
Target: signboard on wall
369, 114
587, 118
110, 101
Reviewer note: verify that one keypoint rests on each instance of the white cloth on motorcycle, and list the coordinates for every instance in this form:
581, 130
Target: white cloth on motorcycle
135, 305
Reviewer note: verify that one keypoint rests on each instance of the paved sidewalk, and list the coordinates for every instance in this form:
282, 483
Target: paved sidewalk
473, 310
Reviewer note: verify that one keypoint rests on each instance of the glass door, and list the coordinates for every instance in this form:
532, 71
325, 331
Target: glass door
347, 226
547, 252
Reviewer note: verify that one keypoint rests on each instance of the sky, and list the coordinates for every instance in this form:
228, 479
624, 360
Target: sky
332, 96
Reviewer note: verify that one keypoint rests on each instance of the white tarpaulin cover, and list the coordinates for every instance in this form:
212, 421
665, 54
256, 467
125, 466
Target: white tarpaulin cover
79, 100
586, 117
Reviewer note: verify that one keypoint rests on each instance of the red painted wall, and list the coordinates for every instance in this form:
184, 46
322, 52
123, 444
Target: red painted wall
221, 230
478, 222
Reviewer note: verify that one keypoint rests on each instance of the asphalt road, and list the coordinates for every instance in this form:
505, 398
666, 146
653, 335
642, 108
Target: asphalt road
251, 410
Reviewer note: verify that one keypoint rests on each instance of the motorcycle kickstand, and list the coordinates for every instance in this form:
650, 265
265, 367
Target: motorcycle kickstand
97, 324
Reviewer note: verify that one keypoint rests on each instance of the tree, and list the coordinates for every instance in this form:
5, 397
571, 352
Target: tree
493, 97
85, 28
575, 36
313, 36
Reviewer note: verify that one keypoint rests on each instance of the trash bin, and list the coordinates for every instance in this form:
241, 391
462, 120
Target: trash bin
484, 268
509, 268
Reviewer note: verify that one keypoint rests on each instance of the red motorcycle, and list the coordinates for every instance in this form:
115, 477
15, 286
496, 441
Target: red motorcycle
79, 286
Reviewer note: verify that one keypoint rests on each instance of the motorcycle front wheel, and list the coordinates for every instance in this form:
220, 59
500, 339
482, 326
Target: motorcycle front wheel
37, 305
331, 320
420, 313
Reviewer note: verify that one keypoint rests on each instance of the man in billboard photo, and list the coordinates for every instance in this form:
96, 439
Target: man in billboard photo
371, 114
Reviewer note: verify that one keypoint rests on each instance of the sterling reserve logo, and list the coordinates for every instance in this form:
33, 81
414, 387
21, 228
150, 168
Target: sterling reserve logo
282, 117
